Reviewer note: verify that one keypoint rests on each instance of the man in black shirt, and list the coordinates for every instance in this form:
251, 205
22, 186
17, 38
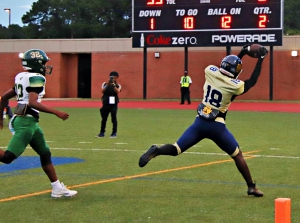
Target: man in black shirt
110, 101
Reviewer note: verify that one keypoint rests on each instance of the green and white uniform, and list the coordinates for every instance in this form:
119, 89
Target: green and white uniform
25, 127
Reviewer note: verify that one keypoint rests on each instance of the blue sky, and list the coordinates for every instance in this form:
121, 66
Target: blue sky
18, 9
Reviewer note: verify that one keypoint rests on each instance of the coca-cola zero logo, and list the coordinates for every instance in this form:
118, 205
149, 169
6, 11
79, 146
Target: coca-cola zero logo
152, 40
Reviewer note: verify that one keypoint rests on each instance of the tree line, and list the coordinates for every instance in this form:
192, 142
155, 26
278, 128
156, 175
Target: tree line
59, 19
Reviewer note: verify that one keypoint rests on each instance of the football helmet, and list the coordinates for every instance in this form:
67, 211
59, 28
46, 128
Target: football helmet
231, 66
34, 60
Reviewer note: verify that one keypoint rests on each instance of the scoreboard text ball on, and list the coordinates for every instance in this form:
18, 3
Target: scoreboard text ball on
194, 23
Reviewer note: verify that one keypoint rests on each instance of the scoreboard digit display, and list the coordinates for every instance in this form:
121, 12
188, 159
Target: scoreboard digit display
194, 23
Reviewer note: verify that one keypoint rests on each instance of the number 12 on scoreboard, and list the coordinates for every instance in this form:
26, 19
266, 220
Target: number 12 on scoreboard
226, 22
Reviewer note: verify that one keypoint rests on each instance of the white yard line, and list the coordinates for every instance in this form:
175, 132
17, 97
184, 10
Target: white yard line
192, 153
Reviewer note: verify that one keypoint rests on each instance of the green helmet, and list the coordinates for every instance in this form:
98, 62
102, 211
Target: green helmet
34, 60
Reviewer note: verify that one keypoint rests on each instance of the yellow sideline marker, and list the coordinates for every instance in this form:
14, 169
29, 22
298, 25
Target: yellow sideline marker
283, 210
124, 178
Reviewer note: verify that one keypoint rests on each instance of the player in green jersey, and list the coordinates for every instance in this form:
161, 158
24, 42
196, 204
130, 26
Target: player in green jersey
29, 89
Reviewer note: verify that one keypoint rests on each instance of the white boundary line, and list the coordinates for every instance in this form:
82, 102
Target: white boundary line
196, 153
193, 153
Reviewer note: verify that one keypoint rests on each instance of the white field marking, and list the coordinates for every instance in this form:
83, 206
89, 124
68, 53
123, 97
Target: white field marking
196, 153
274, 149
196, 146
252, 155
95, 149
49, 141
193, 153
84, 142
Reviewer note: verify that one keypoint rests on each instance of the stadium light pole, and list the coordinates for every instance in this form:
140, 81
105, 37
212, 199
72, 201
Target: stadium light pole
9, 15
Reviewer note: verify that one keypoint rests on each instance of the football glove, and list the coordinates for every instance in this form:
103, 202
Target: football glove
246, 47
263, 52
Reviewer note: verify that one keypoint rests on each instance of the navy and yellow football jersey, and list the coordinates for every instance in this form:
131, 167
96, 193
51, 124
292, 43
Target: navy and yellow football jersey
218, 89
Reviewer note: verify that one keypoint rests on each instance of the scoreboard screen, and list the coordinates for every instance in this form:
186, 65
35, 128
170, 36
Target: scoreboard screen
171, 23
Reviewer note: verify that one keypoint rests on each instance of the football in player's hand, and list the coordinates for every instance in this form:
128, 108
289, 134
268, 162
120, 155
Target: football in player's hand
254, 50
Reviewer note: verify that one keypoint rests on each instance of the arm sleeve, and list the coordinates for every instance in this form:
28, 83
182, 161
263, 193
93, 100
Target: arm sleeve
35, 89
242, 53
119, 87
36, 84
104, 85
255, 74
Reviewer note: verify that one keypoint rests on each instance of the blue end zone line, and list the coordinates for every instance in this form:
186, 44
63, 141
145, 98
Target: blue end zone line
31, 162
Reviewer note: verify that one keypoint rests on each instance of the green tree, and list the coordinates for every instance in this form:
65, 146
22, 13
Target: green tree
12, 32
4, 33
78, 19
16, 32
98, 19
291, 15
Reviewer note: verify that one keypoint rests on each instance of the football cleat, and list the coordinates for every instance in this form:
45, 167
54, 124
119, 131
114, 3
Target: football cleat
146, 157
113, 135
63, 191
252, 190
100, 135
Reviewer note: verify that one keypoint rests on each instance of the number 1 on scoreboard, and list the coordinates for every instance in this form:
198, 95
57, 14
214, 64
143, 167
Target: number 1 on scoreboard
152, 23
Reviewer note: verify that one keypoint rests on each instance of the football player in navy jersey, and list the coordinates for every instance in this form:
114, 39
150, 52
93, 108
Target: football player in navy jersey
29, 89
220, 89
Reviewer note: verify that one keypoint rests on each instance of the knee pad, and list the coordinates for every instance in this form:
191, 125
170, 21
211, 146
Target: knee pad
8, 157
236, 152
178, 148
46, 159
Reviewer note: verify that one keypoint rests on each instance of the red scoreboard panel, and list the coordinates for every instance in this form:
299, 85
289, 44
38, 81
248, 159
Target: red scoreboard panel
194, 23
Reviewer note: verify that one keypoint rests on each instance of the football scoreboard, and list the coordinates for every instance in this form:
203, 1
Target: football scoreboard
194, 23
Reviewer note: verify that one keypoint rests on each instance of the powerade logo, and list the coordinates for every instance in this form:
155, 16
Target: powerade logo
262, 38
152, 40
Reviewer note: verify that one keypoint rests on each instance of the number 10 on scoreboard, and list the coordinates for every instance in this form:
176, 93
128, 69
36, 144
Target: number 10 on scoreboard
188, 23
